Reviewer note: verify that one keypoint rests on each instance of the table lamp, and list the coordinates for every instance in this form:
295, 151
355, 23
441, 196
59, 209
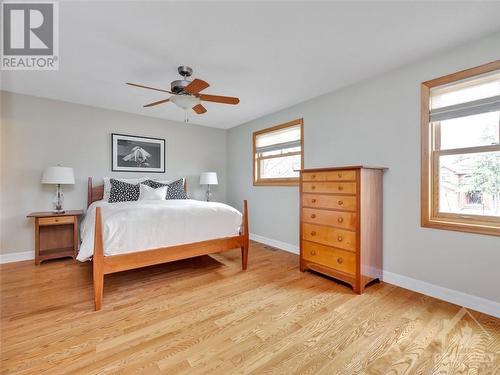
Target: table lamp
208, 178
58, 176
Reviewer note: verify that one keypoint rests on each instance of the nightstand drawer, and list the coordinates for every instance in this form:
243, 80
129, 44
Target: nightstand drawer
56, 220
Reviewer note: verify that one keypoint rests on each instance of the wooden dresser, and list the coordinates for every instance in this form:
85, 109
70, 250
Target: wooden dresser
341, 223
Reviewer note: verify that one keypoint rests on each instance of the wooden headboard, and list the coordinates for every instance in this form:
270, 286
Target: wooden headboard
96, 193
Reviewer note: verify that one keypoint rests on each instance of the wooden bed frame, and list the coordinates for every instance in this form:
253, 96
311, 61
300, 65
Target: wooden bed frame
103, 265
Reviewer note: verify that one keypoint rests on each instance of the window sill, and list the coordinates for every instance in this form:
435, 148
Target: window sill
277, 183
492, 229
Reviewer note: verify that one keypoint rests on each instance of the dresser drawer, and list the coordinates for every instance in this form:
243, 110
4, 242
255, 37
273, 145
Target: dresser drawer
340, 175
329, 236
338, 259
336, 202
339, 219
56, 220
329, 187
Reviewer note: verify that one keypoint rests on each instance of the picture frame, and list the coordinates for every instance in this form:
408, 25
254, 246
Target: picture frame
130, 153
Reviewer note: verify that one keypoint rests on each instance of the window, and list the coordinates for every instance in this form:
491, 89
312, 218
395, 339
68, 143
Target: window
461, 151
278, 154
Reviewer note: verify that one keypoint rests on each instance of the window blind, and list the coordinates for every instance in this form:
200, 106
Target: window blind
279, 146
282, 139
475, 107
466, 98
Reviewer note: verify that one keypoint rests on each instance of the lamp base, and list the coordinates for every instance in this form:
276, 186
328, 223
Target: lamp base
208, 194
58, 201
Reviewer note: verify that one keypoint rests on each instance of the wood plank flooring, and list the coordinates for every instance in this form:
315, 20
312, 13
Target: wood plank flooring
205, 315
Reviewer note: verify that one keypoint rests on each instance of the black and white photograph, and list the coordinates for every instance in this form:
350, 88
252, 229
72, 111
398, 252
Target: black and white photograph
137, 154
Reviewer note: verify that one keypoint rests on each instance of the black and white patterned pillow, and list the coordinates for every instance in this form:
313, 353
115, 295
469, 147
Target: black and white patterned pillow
123, 191
175, 189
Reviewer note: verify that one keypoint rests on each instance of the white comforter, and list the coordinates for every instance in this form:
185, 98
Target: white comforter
141, 225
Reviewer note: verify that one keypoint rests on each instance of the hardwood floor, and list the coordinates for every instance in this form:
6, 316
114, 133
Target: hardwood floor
205, 315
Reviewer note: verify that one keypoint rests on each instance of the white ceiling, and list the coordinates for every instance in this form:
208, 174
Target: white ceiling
270, 54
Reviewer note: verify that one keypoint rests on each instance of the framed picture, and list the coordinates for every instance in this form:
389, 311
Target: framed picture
137, 154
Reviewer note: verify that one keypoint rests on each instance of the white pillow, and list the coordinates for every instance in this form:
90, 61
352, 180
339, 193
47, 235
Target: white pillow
147, 193
107, 184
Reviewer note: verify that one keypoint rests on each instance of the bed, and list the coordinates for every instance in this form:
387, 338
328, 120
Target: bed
128, 235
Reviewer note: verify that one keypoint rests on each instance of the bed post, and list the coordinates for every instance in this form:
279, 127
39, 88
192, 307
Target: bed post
245, 234
89, 191
98, 261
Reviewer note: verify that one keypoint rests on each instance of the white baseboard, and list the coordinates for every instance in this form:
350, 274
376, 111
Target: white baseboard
16, 257
275, 243
449, 295
454, 296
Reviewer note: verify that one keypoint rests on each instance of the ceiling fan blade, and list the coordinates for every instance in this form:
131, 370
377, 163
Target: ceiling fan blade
219, 99
196, 86
147, 87
156, 103
199, 109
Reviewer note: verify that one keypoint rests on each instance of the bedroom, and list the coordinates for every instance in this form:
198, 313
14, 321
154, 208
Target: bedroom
345, 82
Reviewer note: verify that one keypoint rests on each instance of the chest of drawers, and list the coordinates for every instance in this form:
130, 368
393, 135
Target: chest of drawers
341, 223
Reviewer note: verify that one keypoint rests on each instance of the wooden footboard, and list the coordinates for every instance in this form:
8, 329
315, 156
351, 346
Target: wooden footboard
103, 265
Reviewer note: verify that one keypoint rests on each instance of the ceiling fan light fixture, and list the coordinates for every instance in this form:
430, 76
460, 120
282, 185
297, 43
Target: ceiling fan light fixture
185, 101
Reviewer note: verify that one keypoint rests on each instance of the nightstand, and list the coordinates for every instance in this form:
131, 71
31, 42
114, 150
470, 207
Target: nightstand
56, 235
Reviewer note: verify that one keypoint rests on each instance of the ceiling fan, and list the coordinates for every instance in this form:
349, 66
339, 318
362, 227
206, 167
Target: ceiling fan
186, 94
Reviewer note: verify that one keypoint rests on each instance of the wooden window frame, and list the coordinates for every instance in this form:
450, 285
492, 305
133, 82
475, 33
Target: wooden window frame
430, 215
291, 181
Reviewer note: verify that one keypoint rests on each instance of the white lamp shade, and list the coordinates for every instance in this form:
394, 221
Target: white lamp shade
208, 178
58, 175
185, 101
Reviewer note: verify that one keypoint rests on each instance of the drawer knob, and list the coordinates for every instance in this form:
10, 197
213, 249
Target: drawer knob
341, 187
313, 233
340, 260
340, 203
313, 200
339, 238
313, 252
340, 175
340, 219
313, 176
56, 220
313, 187
313, 216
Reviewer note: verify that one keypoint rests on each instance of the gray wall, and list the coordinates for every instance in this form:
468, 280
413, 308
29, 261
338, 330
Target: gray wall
375, 122
36, 133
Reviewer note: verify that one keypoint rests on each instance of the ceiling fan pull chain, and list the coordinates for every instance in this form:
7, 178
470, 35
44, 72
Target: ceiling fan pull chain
186, 117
